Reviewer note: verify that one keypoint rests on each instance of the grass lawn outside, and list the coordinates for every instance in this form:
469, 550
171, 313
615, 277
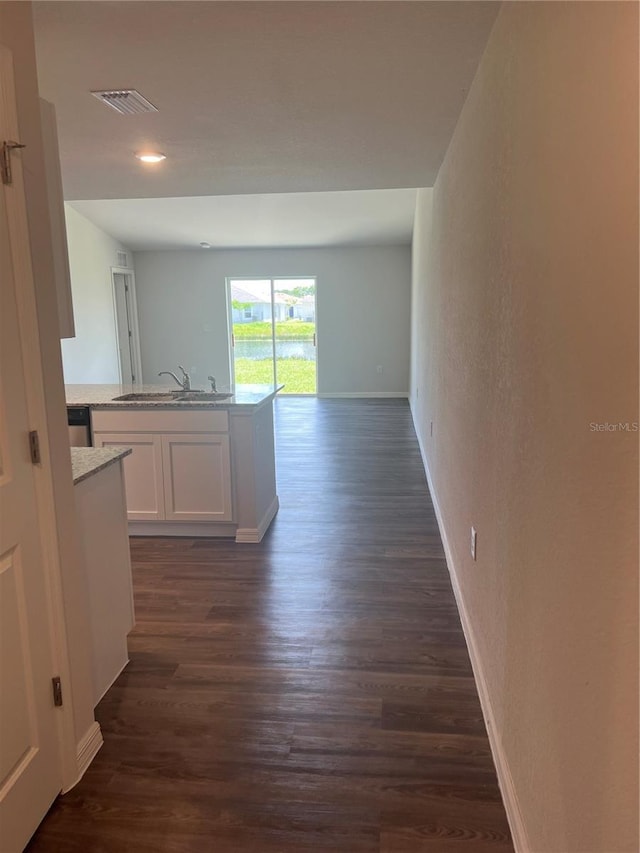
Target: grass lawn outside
297, 374
285, 330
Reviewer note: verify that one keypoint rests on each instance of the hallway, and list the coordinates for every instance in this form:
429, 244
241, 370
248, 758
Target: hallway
311, 693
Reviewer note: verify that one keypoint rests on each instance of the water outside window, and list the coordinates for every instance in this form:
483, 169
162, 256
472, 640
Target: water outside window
274, 332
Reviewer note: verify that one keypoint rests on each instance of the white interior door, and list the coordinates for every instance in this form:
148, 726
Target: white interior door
30, 771
126, 325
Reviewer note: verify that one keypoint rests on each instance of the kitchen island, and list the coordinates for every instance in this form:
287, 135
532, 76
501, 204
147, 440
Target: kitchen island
198, 467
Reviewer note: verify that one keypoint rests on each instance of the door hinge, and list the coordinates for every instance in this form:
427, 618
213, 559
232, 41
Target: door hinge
57, 691
34, 447
5, 160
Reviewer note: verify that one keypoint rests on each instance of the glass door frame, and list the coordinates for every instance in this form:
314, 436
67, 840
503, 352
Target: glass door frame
271, 279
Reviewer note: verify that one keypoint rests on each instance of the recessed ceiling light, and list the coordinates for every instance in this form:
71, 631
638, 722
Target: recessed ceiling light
206, 245
151, 156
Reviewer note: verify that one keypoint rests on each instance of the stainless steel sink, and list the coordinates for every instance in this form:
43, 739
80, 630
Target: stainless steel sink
157, 397
173, 397
204, 396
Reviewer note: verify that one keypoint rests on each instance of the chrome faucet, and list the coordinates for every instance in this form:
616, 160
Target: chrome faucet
184, 383
212, 380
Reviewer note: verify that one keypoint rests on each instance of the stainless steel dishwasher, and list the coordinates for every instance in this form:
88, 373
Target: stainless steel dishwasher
79, 420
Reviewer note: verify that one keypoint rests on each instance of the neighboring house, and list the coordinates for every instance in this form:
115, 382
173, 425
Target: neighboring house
250, 305
303, 308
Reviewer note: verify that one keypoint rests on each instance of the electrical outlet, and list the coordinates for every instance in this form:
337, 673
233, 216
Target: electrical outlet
379, 368
474, 539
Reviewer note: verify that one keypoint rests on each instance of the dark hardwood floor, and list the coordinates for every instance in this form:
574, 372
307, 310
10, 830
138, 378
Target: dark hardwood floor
312, 692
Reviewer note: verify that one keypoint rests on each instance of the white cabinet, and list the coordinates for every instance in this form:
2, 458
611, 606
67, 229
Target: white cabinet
142, 472
197, 477
180, 468
55, 197
102, 525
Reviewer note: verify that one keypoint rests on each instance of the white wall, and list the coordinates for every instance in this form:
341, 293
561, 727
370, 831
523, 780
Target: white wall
526, 293
363, 308
92, 356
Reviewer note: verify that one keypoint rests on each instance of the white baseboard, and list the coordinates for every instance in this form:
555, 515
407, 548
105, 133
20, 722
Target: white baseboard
181, 528
255, 534
207, 529
372, 394
505, 779
86, 751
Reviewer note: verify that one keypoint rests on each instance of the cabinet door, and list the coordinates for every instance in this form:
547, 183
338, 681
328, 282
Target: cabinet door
197, 477
142, 472
60, 249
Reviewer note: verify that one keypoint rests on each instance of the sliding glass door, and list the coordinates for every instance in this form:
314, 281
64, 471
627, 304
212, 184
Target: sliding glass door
274, 332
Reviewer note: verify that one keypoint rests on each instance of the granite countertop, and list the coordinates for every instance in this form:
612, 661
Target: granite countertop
86, 461
102, 397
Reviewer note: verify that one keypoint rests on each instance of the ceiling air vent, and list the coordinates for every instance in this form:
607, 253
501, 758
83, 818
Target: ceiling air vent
125, 101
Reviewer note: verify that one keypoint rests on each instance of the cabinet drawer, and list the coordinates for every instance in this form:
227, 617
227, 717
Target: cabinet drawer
159, 420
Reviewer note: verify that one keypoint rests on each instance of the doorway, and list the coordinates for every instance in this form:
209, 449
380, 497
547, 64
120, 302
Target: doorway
126, 316
273, 332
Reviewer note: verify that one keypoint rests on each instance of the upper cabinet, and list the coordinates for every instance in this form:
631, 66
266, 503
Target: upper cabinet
56, 214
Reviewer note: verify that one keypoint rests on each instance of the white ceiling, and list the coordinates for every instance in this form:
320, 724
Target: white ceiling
258, 98
360, 218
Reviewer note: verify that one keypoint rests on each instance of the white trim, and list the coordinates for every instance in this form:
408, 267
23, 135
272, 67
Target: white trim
88, 747
206, 529
255, 534
505, 779
20, 241
182, 528
230, 338
373, 394
135, 326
